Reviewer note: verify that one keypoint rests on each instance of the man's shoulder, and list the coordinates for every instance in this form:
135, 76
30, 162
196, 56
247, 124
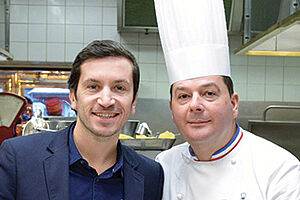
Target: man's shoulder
135, 159
33, 141
131, 154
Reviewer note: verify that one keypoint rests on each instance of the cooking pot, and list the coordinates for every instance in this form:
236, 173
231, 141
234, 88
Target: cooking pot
130, 127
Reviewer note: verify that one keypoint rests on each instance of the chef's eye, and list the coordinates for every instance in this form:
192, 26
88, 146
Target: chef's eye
210, 94
182, 96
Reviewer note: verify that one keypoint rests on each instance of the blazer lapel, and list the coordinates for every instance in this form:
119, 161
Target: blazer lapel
133, 180
56, 167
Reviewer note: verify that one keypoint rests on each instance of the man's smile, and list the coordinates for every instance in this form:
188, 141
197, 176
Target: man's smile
106, 115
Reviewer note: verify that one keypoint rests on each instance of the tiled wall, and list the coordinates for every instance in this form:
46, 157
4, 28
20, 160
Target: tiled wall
2, 29
265, 78
55, 30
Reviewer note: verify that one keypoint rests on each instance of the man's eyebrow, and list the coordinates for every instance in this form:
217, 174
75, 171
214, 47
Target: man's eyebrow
91, 80
87, 81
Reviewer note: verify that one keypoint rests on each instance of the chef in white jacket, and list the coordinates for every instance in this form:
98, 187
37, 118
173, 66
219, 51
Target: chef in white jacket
219, 160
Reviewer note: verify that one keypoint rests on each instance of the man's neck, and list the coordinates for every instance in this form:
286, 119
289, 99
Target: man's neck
100, 153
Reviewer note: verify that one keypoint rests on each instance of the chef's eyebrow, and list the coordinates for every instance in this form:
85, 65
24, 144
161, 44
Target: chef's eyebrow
211, 85
179, 88
206, 85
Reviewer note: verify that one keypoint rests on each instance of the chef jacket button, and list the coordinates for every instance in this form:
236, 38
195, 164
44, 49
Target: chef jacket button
97, 180
82, 162
179, 196
233, 162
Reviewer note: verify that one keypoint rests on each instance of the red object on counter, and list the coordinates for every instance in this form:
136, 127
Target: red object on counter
12, 106
53, 107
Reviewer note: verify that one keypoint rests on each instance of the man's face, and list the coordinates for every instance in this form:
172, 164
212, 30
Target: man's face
104, 96
202, 109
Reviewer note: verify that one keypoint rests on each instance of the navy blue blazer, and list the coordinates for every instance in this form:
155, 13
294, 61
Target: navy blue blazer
36, 167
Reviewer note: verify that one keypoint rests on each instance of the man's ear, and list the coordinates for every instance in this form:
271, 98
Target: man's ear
134, 105
235, 104
72, 97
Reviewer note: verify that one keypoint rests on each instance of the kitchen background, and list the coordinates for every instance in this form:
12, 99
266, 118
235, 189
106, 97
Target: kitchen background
56, 30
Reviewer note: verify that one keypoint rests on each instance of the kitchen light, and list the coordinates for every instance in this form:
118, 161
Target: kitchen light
281, 39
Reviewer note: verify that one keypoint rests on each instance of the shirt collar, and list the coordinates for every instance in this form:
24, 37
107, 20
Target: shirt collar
74, 154
226, 149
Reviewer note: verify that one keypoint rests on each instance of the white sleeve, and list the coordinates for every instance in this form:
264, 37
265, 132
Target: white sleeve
285, 181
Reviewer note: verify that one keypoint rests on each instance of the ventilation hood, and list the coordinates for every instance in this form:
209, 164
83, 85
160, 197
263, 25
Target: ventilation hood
4, 55
281, 39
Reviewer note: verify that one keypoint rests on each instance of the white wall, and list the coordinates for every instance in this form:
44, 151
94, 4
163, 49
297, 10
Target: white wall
56, 30
2, 28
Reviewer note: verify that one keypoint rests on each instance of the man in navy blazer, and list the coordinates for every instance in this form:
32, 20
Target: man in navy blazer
85, 160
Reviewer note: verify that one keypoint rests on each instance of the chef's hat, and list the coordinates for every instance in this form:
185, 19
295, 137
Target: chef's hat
194, 38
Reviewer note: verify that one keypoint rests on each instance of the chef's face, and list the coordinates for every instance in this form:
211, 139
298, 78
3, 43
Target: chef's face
104, 97
203, 110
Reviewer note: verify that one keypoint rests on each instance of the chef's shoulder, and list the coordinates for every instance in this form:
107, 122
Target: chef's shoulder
267, 150
173, 154
270, 159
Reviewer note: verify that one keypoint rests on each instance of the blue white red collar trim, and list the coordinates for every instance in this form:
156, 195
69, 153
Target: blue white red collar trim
226, 149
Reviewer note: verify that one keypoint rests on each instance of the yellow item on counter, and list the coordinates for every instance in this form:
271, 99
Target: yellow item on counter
124, 136
142, 137
166, 135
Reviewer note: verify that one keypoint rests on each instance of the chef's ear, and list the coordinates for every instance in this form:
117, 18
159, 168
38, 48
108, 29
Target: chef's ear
72, 98
170, 105
235, 104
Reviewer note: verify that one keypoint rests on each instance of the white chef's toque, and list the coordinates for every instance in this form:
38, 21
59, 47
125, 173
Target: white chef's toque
194, 39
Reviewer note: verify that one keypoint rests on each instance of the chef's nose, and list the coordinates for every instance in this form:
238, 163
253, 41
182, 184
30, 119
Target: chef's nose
196, 103
106, 98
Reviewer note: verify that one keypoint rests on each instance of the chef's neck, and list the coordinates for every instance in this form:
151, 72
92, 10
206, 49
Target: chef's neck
205, 150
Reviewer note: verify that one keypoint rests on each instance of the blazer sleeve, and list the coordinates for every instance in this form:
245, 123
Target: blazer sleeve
7, 172
161, 182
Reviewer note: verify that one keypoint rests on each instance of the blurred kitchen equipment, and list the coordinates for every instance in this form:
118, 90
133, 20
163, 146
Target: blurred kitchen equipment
130, 127
11, 106
35, 125
149, 144
53, 107
143, 129
281, 128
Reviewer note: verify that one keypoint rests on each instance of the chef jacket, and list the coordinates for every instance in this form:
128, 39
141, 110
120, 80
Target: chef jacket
250, 167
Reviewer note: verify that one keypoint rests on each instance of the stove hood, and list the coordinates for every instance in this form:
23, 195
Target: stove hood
281, 39
4, 55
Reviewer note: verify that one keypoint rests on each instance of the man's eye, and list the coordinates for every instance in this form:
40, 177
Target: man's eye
92, 87
121, 88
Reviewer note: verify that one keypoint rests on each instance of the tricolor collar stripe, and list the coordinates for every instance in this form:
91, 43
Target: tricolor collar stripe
229, 150
233, 139
226, 149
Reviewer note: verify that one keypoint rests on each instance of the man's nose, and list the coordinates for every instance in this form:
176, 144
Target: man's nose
196, 103
106, 98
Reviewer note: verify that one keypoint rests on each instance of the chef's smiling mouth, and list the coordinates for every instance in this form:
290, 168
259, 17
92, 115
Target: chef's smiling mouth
198, 121
106, 115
